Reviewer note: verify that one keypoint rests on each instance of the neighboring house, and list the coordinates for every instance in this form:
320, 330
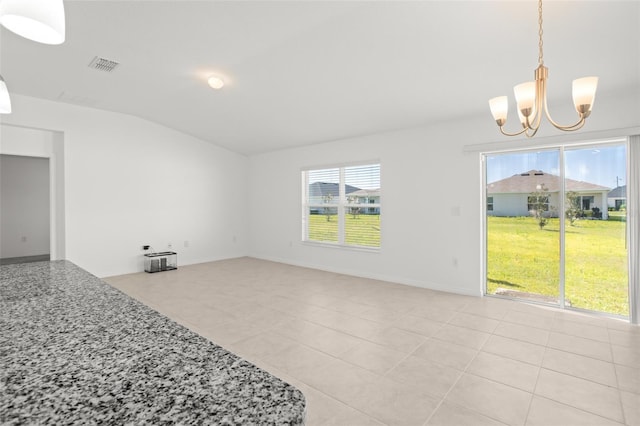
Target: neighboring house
511, 196
617, 197
366, 196
319, 191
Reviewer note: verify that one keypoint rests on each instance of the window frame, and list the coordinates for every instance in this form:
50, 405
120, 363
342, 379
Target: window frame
342, 205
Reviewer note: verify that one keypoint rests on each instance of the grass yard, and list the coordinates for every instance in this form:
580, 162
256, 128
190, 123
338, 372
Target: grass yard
363, 230
524, 258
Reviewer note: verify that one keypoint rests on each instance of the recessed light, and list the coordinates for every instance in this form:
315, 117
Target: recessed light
215, 82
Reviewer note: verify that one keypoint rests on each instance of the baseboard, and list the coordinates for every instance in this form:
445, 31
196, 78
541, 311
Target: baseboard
381, 277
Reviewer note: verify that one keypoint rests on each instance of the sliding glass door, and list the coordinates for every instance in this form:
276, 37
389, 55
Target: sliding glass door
555, 227
596, 276
523, 242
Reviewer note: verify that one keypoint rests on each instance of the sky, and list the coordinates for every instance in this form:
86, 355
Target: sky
601, 165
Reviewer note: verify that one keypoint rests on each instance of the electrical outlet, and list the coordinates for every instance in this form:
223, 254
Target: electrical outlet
186, 243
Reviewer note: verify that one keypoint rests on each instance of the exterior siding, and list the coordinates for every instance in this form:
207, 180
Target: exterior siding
515, 204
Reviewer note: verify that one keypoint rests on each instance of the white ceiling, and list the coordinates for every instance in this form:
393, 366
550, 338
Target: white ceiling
304, 72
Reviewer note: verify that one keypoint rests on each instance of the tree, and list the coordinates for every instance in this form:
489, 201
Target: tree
327, 199
354, 210
573, 209
539, 205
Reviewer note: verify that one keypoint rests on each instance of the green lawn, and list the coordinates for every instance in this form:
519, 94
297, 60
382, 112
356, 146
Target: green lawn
522, 257
362, 230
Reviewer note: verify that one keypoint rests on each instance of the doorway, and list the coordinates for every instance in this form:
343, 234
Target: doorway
24, 209
556, 227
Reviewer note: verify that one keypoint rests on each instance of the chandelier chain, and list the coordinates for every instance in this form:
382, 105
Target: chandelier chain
540, 60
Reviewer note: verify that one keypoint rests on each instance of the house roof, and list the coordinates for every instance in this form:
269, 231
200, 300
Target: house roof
321, 189
619, 192
367, 192
528, 182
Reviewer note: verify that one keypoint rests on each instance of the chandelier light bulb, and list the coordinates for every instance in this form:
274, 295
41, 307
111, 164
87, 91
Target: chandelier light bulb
215, 82
38, 20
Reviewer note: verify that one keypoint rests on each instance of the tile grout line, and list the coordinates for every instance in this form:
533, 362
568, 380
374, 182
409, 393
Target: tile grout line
463, 372
615, 371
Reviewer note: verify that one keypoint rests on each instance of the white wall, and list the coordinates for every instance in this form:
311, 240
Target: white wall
432, 201
130, 182
24, 206
430, 209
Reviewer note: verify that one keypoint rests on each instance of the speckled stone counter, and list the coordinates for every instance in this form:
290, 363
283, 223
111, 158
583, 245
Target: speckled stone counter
74, 350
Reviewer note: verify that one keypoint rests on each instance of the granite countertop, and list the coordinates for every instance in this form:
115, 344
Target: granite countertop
74, 350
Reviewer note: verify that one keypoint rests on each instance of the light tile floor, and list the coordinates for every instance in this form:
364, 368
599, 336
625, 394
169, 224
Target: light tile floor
367, 352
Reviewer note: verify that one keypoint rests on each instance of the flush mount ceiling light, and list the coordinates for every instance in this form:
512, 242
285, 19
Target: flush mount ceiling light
531, 98
37, 20
215, 82
5, 101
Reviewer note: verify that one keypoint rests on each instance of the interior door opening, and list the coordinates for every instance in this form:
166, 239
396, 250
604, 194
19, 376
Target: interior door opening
24, 209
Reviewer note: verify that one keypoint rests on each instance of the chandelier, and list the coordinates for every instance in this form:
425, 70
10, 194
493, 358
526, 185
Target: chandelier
531, 98
38, 20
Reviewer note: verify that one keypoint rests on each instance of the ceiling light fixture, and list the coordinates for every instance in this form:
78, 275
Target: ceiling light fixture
5, 100
37, 20
531, 98
215, 82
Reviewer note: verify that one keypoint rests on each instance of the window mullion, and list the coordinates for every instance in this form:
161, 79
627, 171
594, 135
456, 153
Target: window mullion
305, 206
341, 207
562, 223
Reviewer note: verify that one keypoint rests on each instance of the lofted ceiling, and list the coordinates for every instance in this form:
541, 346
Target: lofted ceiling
305, 72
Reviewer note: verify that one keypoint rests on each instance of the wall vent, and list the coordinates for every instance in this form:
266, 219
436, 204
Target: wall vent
102, 64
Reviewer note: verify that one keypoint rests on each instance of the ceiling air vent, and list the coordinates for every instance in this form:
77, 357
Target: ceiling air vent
102, 64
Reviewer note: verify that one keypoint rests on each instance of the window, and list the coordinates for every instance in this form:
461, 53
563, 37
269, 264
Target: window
538, 202
489, 204
341, 205
587, 202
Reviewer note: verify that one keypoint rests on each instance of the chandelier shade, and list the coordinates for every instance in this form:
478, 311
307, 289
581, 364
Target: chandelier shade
5, 100
38, 20
584, 93
531, 98
525, 94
